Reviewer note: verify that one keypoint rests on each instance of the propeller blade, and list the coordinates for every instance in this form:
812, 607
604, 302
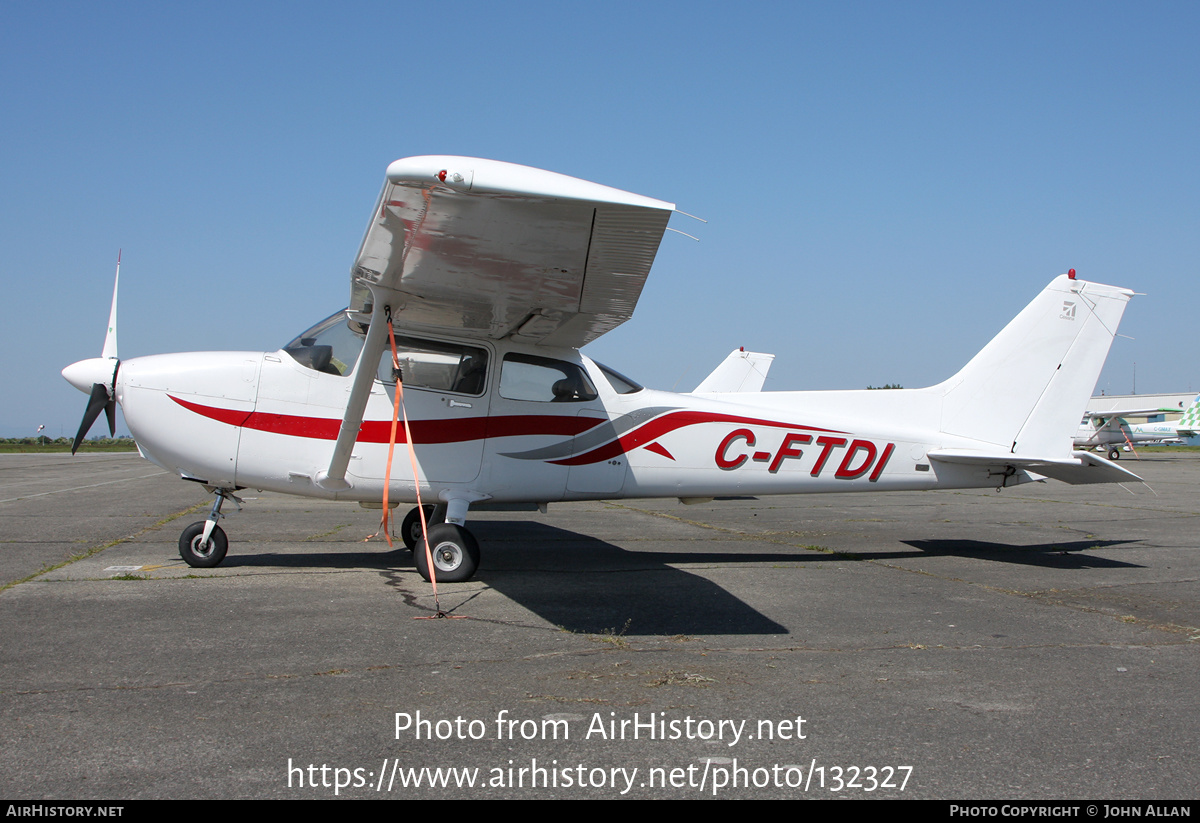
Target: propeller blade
110, 337
103, 394
97, 401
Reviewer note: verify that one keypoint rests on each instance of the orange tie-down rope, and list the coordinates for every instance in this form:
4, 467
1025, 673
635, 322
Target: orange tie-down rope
399, 410
1129, 443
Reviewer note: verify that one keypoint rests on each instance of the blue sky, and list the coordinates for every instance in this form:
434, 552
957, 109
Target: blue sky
885, 184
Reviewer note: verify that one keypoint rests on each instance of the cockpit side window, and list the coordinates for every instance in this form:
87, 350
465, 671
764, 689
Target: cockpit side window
436, 365
544, 379
330, 346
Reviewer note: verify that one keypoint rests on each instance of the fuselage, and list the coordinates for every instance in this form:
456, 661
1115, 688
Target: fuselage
508, 422
1117, 432
1163, 430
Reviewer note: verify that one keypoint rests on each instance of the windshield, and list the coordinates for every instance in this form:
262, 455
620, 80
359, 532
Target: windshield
330, 346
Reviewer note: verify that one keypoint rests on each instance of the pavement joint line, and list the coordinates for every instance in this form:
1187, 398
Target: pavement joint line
630, 648
214, 574
79, 488
97, 549
193, 576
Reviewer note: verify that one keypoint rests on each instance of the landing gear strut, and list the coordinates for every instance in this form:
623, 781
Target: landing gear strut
203, 544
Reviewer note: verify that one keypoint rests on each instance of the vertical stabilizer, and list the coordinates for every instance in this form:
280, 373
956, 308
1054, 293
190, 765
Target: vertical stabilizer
1189, 424
1028, 387
741, 371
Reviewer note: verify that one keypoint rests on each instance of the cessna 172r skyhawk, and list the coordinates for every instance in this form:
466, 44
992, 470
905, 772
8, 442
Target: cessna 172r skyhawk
1107, 430
493, 276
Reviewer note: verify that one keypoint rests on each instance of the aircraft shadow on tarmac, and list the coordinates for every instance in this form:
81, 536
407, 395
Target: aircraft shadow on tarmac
588, 585
1049, 555
579, 582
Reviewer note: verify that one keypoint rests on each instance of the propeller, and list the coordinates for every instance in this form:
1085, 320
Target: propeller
98, 375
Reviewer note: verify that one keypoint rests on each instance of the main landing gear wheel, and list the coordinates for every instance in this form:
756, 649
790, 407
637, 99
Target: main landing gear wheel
455, 553
1114, 454
203, 556
410, 529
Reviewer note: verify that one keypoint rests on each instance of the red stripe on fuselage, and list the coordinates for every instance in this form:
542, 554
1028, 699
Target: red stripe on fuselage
379, 431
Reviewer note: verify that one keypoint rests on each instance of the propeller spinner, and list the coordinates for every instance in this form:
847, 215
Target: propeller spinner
97, 376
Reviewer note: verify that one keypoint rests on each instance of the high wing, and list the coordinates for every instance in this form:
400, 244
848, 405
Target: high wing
481, 248
489, 249
1094, 415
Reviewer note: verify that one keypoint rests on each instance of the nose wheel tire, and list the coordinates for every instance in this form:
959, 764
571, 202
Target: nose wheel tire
203, 556
454, 550
410, 529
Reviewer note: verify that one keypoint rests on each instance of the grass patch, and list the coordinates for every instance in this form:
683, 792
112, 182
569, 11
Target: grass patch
613, 637
36, 445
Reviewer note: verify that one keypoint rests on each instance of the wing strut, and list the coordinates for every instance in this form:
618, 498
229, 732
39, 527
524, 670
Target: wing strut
360, 390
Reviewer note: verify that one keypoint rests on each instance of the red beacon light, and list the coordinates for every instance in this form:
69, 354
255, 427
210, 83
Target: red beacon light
1071, 274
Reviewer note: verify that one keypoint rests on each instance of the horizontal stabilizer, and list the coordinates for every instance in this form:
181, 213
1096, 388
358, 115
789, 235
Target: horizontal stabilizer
1079, 468
741, 371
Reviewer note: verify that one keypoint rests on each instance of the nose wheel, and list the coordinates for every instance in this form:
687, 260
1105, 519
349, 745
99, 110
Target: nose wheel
203, 544
201, 553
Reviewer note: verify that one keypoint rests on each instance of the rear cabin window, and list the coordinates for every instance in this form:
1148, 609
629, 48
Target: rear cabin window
544, 379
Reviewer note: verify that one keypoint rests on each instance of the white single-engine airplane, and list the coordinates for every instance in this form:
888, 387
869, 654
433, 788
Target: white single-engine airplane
1107, 430
493, 276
